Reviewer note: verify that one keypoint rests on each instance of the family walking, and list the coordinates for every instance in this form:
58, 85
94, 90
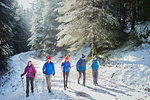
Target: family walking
49, 71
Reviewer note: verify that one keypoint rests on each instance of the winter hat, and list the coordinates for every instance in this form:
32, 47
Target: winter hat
83, 56
95, 57
67, 58
49, 58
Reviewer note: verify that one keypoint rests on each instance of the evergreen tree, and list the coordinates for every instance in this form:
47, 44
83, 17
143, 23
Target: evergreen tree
83, 21
44, 27
11, 26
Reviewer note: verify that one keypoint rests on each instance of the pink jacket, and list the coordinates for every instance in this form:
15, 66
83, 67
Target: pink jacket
30, 70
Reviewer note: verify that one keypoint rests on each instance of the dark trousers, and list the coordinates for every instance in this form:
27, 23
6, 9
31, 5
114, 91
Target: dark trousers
27, 83
95, 76
84, 76
65, 75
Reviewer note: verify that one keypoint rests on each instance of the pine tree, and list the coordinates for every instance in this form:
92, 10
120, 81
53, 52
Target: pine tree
83, 21
44, 27
11, 25
20, 30
5, 30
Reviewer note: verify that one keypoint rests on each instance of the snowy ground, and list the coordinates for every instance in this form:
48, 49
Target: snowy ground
130, 67
11, 85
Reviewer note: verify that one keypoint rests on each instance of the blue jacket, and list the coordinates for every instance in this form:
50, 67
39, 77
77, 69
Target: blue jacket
80, 66
49, 68
95, 64
66, 66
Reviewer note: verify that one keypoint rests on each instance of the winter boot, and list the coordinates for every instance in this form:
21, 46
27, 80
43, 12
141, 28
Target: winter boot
27, 95
64, 88
49, 91
84, 85
78, 82
96, 84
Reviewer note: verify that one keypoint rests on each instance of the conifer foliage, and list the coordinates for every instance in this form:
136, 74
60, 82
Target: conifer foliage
44, 26
13, 30
83, 22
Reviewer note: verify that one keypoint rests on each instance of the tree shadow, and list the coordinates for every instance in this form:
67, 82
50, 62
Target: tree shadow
101, 91
114, 90
80, 94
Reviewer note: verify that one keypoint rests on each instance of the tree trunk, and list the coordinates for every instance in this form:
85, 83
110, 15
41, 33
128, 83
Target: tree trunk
93, 33
120, 10
133, 15
124, 12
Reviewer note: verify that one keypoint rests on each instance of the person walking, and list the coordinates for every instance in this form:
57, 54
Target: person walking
95, 67
49, 70
31, 72
81, 68
66, 66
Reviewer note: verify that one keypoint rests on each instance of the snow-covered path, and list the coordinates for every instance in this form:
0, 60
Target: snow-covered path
11, 84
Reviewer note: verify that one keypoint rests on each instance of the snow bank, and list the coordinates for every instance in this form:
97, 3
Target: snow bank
143, 28
131, 67
143, 31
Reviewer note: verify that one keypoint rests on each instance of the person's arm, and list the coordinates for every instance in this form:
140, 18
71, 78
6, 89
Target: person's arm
53, 69
69, 66
62, 65
44, 68
98, 64
77, 65
24, 72
34, 70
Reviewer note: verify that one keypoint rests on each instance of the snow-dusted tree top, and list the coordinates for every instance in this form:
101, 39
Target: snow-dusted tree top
44, 26
2, 4
78, 23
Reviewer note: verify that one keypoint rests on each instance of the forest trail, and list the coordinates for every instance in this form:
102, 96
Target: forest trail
11, 87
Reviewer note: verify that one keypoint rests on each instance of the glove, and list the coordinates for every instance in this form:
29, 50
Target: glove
21, 75
34, 74
53, 74
43, 72
78, 70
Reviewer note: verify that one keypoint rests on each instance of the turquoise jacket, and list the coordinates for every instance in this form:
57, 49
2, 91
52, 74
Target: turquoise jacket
95, 64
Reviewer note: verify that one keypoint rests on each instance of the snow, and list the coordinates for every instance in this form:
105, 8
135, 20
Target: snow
143, 28
131, 68
127, 30
140, 28
11, 86
2, 4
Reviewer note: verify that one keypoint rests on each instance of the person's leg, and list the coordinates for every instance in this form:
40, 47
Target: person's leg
64, 79
27, 86
32, 87
93, 77
96, 76
67, 74
50, 82
84, 77
47, 81
79, 77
